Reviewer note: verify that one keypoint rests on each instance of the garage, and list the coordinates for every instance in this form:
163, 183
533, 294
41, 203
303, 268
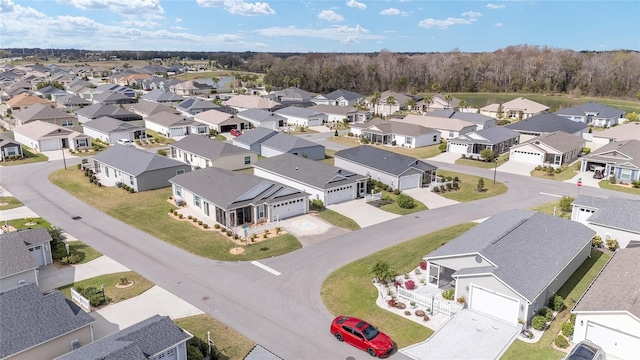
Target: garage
525, 157
340, 194
37, 252
289, 209
613, 342
47, 145
494, 304
410, 181
457, 148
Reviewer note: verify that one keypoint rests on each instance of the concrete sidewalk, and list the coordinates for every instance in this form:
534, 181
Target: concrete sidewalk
51, 277
21, 212
154, 301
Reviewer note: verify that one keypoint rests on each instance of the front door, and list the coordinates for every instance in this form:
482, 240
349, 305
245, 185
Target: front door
434, 274
65, 144
206, 208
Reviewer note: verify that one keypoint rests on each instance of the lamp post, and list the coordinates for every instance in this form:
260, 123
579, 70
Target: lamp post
64, 160
495, 169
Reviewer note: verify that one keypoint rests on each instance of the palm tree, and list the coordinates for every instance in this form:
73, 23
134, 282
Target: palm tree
374, 100
448, 97
390, 101
409, 104
463, 104
428, 100
435, 87
383, 272
215, 80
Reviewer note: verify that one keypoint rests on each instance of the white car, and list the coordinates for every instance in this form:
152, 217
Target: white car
124, 142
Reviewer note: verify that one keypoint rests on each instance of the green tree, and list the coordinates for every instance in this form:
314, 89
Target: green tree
500, 112
406, 201
409, 104
463, 104
633, 117
435, 87
566, 203
375, 99
383, 271
443, 146
449, 98
44, 84
487, 154
267, 88
428, 100
390, 101
481, 184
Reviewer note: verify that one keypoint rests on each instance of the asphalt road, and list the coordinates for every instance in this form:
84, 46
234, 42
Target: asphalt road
283, 313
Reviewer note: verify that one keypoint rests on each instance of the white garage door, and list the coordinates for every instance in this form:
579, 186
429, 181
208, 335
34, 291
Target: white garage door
340, 194
289, 209
458, 148
494, 304
47, 145
38, 254
525, 157
410, 182
613, 342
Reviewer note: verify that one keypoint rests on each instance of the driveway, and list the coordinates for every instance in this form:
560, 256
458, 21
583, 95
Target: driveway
447, 157
467, 335
586, 178
518, 168
362, 213
58, 155
21, 212
51, 277
430, 199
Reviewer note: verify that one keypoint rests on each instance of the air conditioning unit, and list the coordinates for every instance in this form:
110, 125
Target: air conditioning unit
180, 202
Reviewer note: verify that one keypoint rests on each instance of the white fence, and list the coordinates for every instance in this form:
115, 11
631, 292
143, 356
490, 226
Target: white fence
259, 229
372, 197
433, 304
80, 300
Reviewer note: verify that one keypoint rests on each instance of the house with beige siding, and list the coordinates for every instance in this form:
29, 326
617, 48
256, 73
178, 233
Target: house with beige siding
203, 152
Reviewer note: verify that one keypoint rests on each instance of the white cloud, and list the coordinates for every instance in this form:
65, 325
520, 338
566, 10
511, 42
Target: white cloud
471, 14
496, 6
356, 4
239, 7
393, 11
139, 23
498, 25
338, 33
444, 23
137, 8
179, 28
330, 15
178, 20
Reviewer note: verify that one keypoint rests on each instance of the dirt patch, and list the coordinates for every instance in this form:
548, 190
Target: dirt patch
237, 251
124, 286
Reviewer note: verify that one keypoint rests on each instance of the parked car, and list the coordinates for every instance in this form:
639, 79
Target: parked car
362, 335
124, 142
586, 350
235, 132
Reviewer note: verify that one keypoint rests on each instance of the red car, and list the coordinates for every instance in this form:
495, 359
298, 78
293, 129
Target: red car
235, 132
362, 335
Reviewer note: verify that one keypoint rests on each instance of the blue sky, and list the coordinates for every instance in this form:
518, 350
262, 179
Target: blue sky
319, 26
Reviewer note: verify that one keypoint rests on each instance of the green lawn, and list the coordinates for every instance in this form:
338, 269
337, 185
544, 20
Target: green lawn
344, 140
420, 153
20, 224
338, 219
163, 140
396, 209
29, 157
566, 174
148, 211
9, 202
468, 187
305, 131
481, 163
328, 157
571, 291
140, 285
549, 207
605, 184
348, 290
84, 251
229, 343
220, 137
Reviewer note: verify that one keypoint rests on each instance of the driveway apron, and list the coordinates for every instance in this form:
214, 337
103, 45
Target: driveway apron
362, 213
514, 167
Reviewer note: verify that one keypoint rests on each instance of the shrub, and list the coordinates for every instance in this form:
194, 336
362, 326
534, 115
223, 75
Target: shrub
561, 342
199, 222
436, 189
409, 285
558, 170
612, 179
456, 179
572, 319
407, 313
265, 235
480, 184
448, 294
391, 302
442, 147
216, 226
162, 152
180, 216
99, 184
449, 186
556, 303
566, 202
350, 134
396, 192
79, 166
538, 167
567, 329
612, 244
456, 186
229, 232
132, 190
423, 265
406, 201
223, 229
546, 313
401, 305
442, 188
335, 133
189, 217
596, 241
586, 150
550, 171
278, 229
70, 259
461, 300
539, 322
123, 281
317, 204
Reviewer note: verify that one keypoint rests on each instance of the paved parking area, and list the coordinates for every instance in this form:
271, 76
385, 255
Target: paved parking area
518, 168
51, 277
586, 178
483, 338
362, 213
305, 225
430, 199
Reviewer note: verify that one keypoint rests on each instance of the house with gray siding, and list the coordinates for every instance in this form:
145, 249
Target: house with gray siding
612, 218
594, 114
252, 139
262, 118
302, 116
282, 143
498, 139
203, 152
620, 159
126, 165
510, 265
545, 123
9, 148
549, 149
111, 130
394, 133
21, 253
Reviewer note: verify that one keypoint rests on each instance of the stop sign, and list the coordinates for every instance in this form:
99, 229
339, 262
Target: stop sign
579, 183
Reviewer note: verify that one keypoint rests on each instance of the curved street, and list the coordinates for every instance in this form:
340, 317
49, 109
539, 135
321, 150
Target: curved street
284, 313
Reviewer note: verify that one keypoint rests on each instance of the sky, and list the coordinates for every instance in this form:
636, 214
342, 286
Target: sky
319, 25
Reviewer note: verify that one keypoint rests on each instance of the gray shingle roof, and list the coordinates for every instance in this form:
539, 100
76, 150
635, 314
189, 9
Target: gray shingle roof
240, 189
41, 112
256, 135
260, 115
98, 110
348, 95
307, 171
466, 116
528, 248
14, 256
383, 160
150, 107
618, 213
168, 119
206, 147
395, 127
112, 96
617, 153
139, 341
108, 125
602, 111
29, 318
334, 109
159, 95
617, 287
546, 123
284, 142
134, 161
191, 104
5, 140
589, 201
298, 112
560, 141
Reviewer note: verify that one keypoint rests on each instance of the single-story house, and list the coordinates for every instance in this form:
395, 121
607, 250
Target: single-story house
516, 109
339, 97
608, 314
192, 106
628, 131
508, 266
499, 139
190, 87
99, 110
438, 103
282, 143
44, 112
22, 101
245, 199
546, 123
21, 253
323, 182
594, 114
618, 159
481, 121
139, 169
396, 133
43, 136
448, 128
391, 101
161, 96
252, 139
70, 102
111, 130
171, 125
154, 338
611, 218
113, 98
336, 113
555, 149
221, 121
41, 326
302, 116
147, 108
203, 152
292, 94
9, 147
262, 118
246, 102
396, 170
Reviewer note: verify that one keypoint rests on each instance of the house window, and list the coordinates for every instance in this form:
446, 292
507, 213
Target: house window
181, 171
196, 200
67, 122
513, 114
131, 179
178, 190
207, 163
106, 171
247, 160
435, 138
408, 140
451, 134
625, 174
82, 142
11, 151
261, 211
